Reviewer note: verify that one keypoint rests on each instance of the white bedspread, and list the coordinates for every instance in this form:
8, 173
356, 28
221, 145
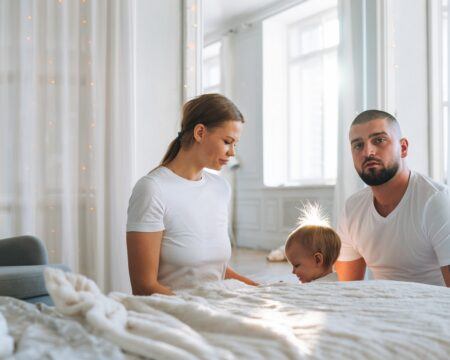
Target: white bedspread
6, 341
230, 320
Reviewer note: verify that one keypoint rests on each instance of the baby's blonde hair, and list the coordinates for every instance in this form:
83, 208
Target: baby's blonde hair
316, 238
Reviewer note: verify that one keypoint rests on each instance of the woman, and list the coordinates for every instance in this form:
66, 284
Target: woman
177, 230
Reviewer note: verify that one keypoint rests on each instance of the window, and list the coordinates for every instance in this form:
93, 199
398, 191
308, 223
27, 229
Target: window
211, 77
438, 89
301, 95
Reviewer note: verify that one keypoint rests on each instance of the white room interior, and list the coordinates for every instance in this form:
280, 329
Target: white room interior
91, 94
392, 55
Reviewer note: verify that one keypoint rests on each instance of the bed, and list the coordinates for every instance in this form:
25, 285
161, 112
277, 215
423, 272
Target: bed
230, 320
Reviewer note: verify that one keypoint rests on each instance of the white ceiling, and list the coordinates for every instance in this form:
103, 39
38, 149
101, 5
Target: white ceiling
218, 13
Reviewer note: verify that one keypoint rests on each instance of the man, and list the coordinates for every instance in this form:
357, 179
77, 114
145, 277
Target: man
398, 226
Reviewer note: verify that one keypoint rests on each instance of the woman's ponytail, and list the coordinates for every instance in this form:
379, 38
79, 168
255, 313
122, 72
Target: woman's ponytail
172, 151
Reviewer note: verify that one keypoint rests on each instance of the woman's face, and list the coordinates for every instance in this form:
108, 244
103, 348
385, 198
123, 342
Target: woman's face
217, 145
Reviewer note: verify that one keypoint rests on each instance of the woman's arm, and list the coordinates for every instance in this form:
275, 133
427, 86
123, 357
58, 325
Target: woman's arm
144, 249
231, 274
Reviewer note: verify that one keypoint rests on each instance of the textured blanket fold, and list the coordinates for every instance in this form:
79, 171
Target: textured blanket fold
6, 341
164, 327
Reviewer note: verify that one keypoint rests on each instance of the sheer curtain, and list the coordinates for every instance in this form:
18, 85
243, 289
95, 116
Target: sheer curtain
66, 120
351, 95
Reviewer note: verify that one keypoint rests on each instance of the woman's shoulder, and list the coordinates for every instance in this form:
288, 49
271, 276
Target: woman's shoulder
151, 181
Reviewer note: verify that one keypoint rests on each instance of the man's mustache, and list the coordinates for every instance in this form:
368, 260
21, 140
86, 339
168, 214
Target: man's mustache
372, 159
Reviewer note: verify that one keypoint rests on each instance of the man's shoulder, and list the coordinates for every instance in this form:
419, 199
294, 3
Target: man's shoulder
357, 203
427, 185
361, 196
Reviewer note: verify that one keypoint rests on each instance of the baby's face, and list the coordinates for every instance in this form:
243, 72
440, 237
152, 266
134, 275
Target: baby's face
304, 265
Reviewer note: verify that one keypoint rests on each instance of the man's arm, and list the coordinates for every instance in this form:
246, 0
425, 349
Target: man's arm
446, 274
351, 270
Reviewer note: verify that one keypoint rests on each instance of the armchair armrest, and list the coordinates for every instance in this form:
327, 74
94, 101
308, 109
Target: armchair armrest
22, 250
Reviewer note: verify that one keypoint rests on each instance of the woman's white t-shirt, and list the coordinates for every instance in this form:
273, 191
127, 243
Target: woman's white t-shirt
193, 216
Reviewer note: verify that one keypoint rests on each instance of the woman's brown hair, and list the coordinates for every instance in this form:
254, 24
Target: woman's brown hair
211, 110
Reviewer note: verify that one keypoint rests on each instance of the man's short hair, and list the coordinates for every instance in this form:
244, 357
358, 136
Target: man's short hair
374, 114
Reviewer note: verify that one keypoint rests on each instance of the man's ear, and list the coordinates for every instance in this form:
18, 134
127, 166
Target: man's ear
199, 132
318, 257
404, 147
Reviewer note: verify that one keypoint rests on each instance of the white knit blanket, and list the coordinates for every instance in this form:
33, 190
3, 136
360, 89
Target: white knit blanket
229, 320
6, 341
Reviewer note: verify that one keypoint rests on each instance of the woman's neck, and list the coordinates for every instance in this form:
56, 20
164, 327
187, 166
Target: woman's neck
186, 166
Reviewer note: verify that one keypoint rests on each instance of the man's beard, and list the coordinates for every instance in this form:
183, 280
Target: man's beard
374, 177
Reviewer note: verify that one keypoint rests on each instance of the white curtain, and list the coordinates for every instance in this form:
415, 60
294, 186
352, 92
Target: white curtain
66, 121
351, 95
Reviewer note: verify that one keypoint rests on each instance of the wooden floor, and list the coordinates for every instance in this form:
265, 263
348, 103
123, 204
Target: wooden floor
253, 264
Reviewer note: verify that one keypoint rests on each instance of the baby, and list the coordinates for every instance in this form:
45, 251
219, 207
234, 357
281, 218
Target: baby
312, 250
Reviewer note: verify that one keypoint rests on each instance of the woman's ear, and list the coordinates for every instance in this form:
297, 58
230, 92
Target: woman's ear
199, 132
318, 257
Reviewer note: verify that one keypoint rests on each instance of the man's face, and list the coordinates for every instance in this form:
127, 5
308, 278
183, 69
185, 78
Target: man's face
377, 151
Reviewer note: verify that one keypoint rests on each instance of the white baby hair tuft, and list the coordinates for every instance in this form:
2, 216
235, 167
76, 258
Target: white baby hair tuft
312, 214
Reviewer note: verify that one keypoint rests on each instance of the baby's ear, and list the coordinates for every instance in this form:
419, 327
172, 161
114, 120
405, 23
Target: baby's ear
318, 257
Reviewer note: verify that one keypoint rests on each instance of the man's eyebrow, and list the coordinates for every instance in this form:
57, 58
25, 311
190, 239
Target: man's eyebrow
370, 136
230, 137
355, 140
378, 134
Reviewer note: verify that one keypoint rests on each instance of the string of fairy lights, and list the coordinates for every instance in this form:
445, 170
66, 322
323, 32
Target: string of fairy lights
192, 53
86, 71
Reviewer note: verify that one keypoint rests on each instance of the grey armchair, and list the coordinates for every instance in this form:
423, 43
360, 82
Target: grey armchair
22, 263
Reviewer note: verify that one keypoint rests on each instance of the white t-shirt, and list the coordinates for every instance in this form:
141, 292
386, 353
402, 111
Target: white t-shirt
195, 246
331, 277
411, 243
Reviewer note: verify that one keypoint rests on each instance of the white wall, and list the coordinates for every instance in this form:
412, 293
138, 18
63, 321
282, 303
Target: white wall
158, 87
264, 215
410, 56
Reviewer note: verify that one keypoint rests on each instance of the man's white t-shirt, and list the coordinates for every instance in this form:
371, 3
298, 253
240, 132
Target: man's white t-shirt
193, 216
411, 243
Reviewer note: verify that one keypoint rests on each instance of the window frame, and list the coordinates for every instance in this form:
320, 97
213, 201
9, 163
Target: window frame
309, 22
206, 65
